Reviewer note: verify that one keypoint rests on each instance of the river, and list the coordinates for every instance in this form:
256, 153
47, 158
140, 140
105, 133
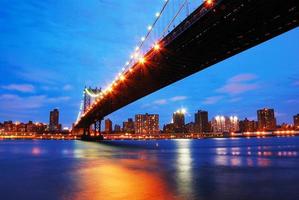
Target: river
256, 168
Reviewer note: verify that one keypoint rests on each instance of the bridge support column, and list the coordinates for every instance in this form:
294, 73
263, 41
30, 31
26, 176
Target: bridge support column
86, 131
97, 127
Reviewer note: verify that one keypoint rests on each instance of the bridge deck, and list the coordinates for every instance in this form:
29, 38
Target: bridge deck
207, 38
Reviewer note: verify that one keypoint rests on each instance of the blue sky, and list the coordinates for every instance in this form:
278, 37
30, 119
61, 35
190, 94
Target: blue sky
51, 49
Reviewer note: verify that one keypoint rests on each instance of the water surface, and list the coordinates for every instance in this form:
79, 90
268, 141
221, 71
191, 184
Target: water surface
266, 168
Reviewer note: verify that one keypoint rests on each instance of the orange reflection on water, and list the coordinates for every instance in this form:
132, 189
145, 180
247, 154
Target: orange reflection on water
119, 180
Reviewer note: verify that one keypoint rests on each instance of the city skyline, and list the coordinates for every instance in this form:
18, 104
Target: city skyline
201, 122
32, 85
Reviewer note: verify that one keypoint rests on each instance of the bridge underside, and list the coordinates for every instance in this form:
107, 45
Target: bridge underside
228, 29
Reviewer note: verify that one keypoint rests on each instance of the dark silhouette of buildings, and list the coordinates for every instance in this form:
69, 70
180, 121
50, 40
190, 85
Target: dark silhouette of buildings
296, 121
266, 119
178, 118
117, 128
247, 125
128, 126
108, 126
201, 122
54, 121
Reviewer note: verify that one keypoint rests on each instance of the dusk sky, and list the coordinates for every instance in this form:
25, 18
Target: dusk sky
51, 49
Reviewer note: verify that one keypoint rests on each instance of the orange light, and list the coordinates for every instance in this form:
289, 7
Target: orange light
157, 47
209, 2
122, 78
142, 60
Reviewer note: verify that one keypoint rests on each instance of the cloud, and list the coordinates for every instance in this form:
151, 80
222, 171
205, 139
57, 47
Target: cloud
19, 87
242, 78
178, 98
290, 101
15, 102
67, 87
212, 100
160, 102
239, 84
40, 75
233, 100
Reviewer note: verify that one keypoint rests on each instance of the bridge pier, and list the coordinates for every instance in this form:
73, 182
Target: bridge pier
97, 127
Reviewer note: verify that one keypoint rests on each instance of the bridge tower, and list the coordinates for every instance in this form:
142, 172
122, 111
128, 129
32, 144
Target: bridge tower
90, 95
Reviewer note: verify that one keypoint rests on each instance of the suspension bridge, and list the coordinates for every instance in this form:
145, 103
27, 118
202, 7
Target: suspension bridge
186, 37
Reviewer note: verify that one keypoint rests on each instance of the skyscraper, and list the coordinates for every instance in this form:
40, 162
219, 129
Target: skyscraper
108, 126
247, 125
296, 121
201, 121
54, 121
221, 124
266, 119
147, 124
178, 118
128, 126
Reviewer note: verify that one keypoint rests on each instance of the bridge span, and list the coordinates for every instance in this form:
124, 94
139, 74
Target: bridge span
207, 36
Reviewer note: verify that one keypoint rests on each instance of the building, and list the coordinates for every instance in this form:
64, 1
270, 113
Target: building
266, 120
223, 124
296, 122
201, 122
168, 128
117, 128
190, 127
147, 124
54, 121
128, 126
178, 119
108, 126
247, 125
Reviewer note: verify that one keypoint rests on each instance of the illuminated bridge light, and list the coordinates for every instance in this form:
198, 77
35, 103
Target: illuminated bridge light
209, 2
157, 47
142, 60
122, 78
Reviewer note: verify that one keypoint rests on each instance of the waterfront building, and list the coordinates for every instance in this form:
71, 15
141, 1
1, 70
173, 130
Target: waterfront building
54, 121
128, 126
247, 125
296, 121
117, 128
266, 119
178, 119
190, 127
222, 124
168, 128
201, 121
108, 126
147, 124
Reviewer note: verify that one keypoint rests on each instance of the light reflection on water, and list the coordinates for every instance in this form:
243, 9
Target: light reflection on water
165, 169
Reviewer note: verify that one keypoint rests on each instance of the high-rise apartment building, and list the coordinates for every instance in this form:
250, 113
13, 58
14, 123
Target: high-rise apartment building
221, 124
201, 121
54, 121
178, 119
147, 124
128, 126
266, 119
108, 126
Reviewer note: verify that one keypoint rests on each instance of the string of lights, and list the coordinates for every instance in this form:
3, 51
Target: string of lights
137, 58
